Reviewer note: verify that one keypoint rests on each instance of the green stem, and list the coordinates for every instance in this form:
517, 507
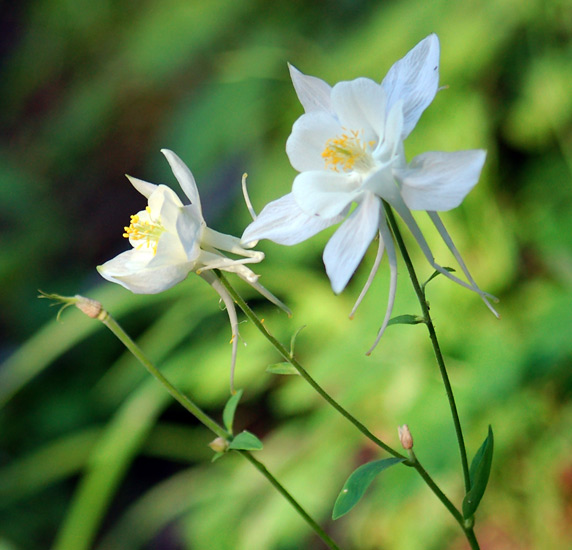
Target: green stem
262, 469
440, 495
126, 340
301, 370
471, 537
436, 348
468, 529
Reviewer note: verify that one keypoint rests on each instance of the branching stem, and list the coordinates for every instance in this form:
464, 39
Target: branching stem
197, 412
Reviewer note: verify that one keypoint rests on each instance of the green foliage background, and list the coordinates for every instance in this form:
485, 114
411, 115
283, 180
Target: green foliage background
93, 454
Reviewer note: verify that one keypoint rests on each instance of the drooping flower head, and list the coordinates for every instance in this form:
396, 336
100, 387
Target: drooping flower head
348, 148
170, 239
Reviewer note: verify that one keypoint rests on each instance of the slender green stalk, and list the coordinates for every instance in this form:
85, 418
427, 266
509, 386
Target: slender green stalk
301, 370
262, 469
440, 495
126, 340
471, 537
436, 348
194, 409
467, 528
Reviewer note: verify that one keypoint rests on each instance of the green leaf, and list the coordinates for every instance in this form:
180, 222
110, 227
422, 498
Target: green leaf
405, 320
435, 273
245, 441
293, 340
479, 474
216, 456
357, 484
230, 409
281, 368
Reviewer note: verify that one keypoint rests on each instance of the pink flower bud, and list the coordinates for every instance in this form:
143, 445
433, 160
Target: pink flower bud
405, 437
92, 308
219, 445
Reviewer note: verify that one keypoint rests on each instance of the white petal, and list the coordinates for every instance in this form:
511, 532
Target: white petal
382, 183
307, 141
409, 220
127, 270
184, 177
372, 273
387, 237
212, 259
165, 207
229, 243
170, 251
144, 187
264, 292
213, 280
415, 79
182, 225
392, 142
360, 105
249, 206
439, 181
313, 93
189, 229
283, 222
449, 242
348, 244
325, 194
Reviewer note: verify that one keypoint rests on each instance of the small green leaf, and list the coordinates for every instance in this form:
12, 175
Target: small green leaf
405, 320
281, 368
245, 441
435, 273
479, 474
216, 456
357, 484
230, 409
293, 340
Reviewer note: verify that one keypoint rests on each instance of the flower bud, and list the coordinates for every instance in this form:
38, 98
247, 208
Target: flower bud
92, 308
219, 445
405, 437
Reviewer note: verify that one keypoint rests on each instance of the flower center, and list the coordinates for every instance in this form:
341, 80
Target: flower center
143, 231
348, 152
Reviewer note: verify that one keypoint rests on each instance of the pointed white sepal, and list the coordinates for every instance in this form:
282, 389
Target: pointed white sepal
283, 222
185, 178
439, 181
313, 92
415, 80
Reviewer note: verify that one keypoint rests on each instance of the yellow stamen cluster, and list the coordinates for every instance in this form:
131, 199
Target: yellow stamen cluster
347, 152
143, 233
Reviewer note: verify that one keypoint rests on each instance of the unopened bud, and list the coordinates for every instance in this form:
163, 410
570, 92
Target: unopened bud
92, 308
219, 445
405, 437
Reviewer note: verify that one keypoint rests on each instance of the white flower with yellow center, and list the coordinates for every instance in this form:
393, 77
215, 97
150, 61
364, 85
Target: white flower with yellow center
171, 239
348, 148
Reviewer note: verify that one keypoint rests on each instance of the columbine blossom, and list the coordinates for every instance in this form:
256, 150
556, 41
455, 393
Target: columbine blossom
348, 148
171, 239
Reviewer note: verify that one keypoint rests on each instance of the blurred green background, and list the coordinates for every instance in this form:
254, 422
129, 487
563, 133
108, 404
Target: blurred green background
93, 454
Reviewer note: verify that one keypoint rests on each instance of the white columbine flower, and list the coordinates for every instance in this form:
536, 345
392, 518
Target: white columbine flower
348, 148
170, 240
